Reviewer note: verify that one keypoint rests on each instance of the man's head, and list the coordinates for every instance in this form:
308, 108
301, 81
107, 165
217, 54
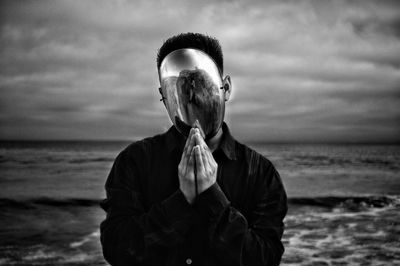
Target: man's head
190, 68
207, 44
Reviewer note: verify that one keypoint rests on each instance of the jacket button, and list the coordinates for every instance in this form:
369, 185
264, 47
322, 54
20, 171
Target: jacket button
188, 261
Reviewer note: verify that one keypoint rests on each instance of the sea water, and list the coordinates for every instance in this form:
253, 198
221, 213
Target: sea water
344, 202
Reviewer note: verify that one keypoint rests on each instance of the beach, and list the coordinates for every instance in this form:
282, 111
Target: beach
344, 202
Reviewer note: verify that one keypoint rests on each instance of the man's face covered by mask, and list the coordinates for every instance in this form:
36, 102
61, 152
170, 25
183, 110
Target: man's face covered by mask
191, 87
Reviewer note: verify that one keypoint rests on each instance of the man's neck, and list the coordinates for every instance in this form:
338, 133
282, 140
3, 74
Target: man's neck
214, 142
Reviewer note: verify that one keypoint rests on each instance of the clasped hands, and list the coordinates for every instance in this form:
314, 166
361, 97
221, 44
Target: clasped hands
196, 154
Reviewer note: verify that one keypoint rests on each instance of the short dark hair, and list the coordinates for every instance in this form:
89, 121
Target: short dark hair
205, 43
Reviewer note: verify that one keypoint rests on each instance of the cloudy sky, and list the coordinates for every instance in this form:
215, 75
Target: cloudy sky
322, 71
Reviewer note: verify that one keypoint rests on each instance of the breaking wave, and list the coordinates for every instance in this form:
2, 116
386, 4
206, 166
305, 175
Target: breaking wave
348, 203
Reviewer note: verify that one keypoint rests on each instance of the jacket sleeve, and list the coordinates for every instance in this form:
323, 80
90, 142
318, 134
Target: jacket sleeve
256, 240
130, 231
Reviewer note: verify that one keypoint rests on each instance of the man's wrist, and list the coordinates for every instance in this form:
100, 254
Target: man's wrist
212, 201
177, 206
190, 199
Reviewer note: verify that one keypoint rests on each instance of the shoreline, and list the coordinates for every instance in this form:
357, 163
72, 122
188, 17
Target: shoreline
319, 231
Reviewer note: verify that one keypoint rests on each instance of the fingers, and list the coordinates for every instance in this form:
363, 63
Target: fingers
191, 160
188, 148
198, 138
186, 144
210, 157
191, 143
199, 159
194, 139
188, 140
205, 158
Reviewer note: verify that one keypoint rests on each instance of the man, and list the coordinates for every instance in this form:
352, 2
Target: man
194, 197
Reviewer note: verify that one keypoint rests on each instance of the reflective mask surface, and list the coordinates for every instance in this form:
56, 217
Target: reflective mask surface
192, 91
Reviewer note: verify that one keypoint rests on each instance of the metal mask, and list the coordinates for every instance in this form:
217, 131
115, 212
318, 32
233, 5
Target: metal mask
192, 91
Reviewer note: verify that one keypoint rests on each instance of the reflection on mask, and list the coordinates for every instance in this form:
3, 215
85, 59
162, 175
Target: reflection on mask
193, 95
200, 100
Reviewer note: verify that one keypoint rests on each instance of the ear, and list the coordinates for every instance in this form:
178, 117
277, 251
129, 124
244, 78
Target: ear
227, 86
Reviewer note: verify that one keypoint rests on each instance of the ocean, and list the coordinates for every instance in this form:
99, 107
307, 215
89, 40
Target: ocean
344, 202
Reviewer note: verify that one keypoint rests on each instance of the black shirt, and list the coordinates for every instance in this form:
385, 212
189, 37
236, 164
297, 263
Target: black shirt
237, 221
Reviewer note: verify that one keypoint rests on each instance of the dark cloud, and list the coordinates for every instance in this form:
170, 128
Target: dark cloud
301, 70
388, 26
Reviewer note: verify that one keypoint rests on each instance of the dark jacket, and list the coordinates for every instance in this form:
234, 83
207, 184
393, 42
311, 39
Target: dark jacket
237, 221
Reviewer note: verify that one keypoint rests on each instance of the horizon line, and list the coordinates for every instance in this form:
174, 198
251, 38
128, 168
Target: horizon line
250, 142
